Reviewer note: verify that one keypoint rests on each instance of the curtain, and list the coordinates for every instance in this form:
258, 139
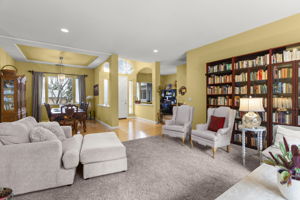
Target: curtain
37, 89
82, 95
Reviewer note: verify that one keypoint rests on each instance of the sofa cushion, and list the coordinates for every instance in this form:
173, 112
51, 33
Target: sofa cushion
71, 149
29, 122
13, 133
55, 128
100, 147
216, 123
208, 135
272, 149
174, 128
292, 136
40, 134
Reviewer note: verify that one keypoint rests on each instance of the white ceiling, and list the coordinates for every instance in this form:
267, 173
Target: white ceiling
133, 28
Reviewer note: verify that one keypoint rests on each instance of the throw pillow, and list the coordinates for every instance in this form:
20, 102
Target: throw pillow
40, 134
13, 133
216, 123
292, 136
55, 128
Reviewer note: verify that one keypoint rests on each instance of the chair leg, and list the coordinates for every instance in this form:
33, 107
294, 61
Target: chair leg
228, 148
214, 150
192, 144
183, 139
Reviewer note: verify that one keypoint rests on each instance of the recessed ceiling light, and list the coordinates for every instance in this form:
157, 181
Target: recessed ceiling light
155, 51
64, 30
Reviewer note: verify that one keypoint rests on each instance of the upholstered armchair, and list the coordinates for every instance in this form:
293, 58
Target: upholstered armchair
222, 137
181, 123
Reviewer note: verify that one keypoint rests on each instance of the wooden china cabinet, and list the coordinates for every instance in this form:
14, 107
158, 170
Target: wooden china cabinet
13, 94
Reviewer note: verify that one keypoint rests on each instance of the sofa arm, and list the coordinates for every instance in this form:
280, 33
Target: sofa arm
169, 122
71, 151
67, 130
187, 126
222, 131
201, 127
20, 163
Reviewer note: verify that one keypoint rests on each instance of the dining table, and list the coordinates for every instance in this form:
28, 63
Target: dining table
80, 115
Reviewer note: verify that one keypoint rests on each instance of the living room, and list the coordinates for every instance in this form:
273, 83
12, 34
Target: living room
149, 100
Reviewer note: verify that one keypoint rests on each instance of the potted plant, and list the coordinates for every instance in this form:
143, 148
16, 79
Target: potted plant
288, 164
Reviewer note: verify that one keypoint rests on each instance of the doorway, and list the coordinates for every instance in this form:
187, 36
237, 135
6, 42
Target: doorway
123, 97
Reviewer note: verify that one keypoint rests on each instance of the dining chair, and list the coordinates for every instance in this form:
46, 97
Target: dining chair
82, 118
69, 116
48, 109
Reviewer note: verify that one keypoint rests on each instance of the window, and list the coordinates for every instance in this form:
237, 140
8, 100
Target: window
125, 67
77, 100
105, 93
144, 92
130, 97
59, 92
106, 67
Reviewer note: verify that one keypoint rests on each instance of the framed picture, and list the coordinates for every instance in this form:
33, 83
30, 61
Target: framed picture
96, 90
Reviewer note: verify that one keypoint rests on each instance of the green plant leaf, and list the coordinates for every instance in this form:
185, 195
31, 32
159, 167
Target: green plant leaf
290, 155
270, 162
282, 149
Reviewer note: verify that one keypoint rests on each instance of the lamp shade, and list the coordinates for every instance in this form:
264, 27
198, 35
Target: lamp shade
251, 105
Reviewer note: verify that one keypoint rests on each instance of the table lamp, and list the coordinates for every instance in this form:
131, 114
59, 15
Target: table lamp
251, 105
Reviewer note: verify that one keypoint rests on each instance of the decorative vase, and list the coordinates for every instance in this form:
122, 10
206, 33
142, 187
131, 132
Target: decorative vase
291, 192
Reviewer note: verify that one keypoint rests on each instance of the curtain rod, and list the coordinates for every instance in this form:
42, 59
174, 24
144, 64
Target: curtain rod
31, 71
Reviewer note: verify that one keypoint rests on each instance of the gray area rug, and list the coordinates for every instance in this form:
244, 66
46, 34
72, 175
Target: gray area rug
160, 169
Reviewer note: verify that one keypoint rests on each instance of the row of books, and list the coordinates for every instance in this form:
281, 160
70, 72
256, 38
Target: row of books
282, 102
282, 117
220, 101
286, 56
219, 79
236, 101
219, 68
241, 77
258, 61
240, 90
282, 88
282, 72
258, 89
259, 75
219, 89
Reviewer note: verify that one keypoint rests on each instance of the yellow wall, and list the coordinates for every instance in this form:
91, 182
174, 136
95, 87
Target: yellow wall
146, 78
107, 114
5, 59
24, 67
145, 111
181, 81
282, 32
165, 80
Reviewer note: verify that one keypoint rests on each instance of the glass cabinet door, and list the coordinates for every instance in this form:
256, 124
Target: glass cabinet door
282, 93
8, 95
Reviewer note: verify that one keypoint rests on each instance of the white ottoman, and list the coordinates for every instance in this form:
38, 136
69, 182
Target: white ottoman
102, 153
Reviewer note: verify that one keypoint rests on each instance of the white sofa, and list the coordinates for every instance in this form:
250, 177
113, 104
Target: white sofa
181, 123
215, 139
28, 167
292, 134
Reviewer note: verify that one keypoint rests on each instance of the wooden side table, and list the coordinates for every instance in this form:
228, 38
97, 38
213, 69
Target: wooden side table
259, 132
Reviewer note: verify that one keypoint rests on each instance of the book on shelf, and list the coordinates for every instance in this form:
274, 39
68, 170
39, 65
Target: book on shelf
286, 56
241, 77
220, 67
220, 101
282, 88
240, 90
258, 89
259, 75
226, 89
219, 79
282, 102
258, 61
283, 117
282, 72
236, 101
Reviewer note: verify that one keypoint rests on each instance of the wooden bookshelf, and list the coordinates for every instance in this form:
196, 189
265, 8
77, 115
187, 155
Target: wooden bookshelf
272, 74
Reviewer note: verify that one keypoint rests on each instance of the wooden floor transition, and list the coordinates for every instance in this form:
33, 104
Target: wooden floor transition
129, 129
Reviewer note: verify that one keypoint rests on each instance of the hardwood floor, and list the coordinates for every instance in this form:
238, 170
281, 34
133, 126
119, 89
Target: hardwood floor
129, 129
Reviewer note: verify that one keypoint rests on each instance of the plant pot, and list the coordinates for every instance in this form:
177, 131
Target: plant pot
291, 192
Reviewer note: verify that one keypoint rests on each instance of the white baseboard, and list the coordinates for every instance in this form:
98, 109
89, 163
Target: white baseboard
146, 120
105, 124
